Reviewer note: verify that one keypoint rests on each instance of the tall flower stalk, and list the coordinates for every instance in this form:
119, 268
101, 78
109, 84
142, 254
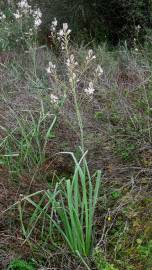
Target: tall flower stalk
64, 37
71, 65
79, 118
74, 76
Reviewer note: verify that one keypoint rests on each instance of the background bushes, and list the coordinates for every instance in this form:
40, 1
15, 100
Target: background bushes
122, 18
113, 20
116, 20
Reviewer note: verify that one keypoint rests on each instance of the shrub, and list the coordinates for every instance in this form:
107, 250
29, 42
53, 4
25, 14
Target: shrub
122, 18
18, 25
117, 19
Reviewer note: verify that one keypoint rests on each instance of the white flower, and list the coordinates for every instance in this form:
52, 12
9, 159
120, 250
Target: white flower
30, 32
48, 70
99, 70
90, 55
37, 22
138, 27
63, 36
68, 62
68, 32
37, 13
51, 68
55, 22
51, 65
61, 33
65, 27
23, 4
72, 77
90, 90
24, 7
54, 99
2, 16
17, 15
64, 31
71, 61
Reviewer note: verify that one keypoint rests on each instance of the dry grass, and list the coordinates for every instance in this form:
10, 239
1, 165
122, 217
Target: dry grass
117, 132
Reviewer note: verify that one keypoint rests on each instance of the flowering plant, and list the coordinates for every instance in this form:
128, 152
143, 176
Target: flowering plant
19, 26
74, 75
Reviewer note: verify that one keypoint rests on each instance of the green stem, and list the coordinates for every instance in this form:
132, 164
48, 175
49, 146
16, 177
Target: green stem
73, 86
79, 118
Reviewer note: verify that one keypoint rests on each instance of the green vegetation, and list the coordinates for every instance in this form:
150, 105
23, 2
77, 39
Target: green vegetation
117, 20
26, 144
74, 202
101, 262
75, 135
20, 265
